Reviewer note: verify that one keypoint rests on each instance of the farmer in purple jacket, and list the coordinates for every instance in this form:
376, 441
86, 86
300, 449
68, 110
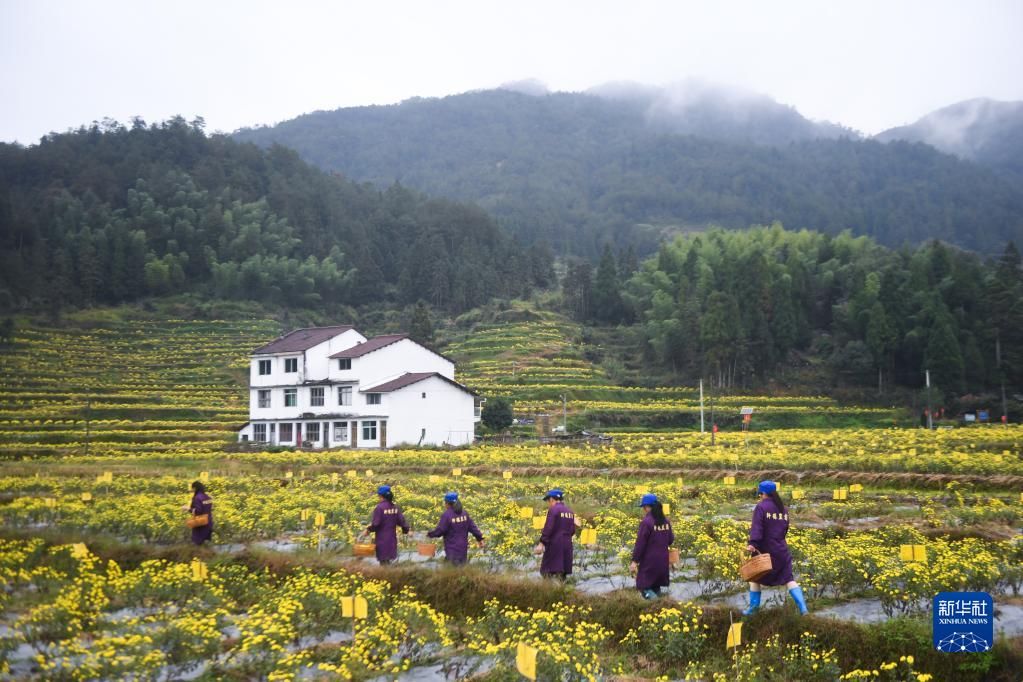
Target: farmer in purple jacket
455, 526
767, 534
650, 554
556, 539
201, 504
387, 518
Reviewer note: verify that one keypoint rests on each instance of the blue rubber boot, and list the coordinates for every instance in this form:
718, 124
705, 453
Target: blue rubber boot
797, 596
649, 594
754, 604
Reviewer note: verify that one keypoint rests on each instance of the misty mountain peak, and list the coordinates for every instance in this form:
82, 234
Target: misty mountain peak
984, 130
528, 86
706, 109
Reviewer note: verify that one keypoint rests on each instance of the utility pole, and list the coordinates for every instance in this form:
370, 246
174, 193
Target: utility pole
930, 410
88, 415
701, 405
713, 424
564, 413
1001, 375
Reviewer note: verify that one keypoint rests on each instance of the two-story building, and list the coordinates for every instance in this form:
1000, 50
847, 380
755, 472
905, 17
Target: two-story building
331, 387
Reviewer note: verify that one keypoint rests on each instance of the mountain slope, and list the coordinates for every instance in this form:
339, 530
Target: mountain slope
577, 170
982, 130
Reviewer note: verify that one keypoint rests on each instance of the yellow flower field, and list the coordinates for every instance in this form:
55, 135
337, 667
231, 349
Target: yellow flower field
98, 447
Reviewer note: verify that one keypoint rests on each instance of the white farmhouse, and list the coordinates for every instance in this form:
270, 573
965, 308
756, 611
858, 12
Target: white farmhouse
332, 387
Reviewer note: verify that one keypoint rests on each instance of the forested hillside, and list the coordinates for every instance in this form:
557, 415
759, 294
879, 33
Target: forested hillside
580, 170
733, 305
111, 213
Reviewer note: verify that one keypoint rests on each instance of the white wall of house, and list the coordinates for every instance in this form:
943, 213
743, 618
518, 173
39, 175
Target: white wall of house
391, 361
277, 375
331, 432
311, 364
317, 357
446, 413
304, 396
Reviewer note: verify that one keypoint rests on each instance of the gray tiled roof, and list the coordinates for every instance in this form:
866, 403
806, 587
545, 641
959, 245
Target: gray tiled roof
410, 378
376, 343
301, 339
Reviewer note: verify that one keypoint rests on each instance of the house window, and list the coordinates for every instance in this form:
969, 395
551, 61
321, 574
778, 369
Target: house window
287, 433
424, 396
312, 432
344, 395
344, 363
259, 433
264, 398
372, 398
264, 367
341, 432
369, 430
290, 364
291, 397
316, 396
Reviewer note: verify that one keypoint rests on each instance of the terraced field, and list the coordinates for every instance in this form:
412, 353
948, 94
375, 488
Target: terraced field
539, 361
134, 387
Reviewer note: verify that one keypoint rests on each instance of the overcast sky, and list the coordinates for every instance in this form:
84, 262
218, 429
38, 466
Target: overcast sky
866, 64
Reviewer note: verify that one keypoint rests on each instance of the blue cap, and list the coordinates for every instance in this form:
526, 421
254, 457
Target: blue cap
647, 499
555, 493
451, 497
767, 487
383, 490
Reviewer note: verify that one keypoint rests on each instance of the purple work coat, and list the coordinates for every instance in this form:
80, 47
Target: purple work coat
557, 540
651, 553
767, 534
455, 527
202, 504
387, 517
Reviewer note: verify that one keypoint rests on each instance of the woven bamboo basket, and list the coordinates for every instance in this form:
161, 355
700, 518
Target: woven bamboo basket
364, 549
198, 521
427, 549
755, 567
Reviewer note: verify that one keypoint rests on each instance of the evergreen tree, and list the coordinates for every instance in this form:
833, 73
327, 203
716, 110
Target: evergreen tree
88, 267
62, 289
607, 297
719, 334
7, 331
628, 263
944, 357
577, 289
880, 337
420, 328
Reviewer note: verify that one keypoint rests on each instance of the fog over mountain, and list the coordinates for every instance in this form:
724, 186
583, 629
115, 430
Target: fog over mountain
696, 107
983, 130
705, 109
632, 164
